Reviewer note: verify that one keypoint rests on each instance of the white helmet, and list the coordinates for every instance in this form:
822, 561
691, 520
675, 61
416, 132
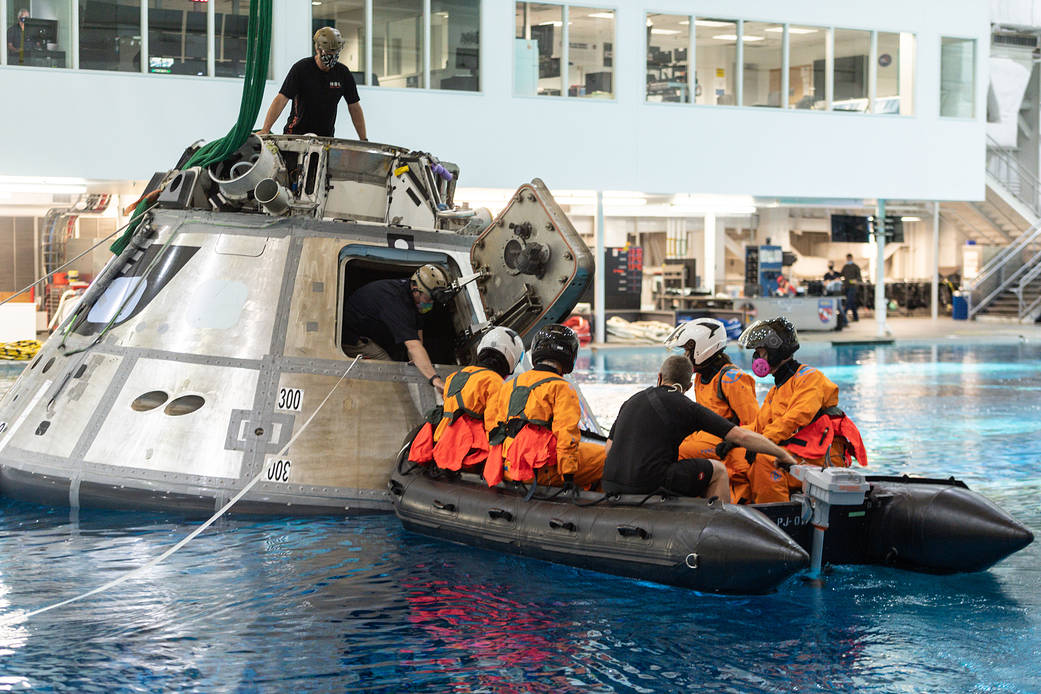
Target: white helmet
504, 341
702, 338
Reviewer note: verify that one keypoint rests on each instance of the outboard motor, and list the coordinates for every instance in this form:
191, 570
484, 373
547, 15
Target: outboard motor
823, 488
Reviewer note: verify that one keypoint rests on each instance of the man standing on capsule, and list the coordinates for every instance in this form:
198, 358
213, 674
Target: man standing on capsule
315, 86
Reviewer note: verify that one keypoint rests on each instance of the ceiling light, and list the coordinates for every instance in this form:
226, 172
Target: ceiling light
550, 24
712, 23
910, 219
791, 30
601, 15
664, 32
733, 37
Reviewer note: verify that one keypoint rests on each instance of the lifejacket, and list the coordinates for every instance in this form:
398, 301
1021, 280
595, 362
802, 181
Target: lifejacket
814, 440
422, 450
534, 444
463, 441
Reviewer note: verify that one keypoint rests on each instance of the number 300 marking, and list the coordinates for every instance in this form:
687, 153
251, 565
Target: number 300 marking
278, 471
290, 399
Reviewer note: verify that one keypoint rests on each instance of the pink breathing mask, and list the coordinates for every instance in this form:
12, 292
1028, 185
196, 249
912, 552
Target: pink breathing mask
760, 367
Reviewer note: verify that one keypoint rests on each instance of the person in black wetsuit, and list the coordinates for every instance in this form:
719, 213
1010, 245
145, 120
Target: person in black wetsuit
643, 446
315, 86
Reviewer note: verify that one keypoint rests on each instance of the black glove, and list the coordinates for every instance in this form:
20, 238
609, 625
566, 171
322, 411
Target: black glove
569, 486
723, 448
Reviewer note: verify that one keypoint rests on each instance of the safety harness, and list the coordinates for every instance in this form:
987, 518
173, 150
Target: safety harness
532, 447
515, 417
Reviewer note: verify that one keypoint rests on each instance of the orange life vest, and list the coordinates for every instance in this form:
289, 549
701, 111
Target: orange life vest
534, 444
814, 440
463, 441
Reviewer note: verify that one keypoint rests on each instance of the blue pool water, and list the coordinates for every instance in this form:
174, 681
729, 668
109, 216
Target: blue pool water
358, 604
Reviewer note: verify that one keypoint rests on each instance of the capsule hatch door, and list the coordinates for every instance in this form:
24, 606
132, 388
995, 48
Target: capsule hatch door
535, 265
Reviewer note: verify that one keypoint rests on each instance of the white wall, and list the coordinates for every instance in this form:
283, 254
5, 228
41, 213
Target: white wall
119, 126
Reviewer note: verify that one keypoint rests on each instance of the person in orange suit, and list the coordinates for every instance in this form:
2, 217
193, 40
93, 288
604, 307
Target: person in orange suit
455, 438
724, 389
800, 412
536, 417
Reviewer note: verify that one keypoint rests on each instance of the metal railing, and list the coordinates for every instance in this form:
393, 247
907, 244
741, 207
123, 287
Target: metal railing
1028, 279
1006, 268
1016, 178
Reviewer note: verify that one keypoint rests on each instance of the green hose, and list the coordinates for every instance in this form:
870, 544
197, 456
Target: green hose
258, 51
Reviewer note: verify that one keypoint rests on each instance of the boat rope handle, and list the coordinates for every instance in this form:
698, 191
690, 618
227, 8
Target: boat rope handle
21, 616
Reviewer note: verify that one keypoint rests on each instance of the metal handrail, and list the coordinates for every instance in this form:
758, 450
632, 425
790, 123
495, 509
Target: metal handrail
999, 260
1024, 282
1023, 175
1004, 284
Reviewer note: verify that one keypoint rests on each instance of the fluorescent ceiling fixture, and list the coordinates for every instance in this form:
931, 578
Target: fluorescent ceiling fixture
792, 30
910, 219
601, 15
712, 23
550, 24
733, 36
665, 32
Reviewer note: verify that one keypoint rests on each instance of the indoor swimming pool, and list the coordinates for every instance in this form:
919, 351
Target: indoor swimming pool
358, 604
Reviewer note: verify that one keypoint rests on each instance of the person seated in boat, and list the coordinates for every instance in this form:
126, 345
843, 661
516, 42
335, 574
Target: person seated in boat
536, 417
456, 438
723, 388
383, 319
799, 413
643, 448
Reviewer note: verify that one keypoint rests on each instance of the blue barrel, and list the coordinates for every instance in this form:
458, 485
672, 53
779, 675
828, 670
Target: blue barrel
960, 306
733, 328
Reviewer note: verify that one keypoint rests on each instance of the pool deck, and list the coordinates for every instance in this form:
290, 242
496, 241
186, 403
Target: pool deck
904, 329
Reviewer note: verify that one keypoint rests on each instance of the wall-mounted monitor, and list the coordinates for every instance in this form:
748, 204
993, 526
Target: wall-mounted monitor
847, 228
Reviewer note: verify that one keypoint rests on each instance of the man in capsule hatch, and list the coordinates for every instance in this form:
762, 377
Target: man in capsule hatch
315, 86
643, 446
383, 319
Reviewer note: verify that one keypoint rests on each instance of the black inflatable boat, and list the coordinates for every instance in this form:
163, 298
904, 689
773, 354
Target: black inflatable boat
919, 524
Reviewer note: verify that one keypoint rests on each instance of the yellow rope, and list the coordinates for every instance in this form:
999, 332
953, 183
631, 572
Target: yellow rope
22, 350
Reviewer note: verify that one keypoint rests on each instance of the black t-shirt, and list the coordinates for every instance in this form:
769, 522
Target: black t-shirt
315, 95
850, 274
384, 312
646, 437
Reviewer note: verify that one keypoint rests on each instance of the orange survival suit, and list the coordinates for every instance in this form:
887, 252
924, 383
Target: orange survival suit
536, 433
801, 413
730, 393
458, 438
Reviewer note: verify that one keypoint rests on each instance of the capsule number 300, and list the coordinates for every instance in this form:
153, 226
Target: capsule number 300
290, 399
278, 471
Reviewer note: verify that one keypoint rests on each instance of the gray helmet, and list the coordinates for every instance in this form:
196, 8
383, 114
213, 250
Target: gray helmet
328, 42
777, 335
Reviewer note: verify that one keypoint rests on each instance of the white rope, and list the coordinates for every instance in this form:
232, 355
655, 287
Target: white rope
21, 616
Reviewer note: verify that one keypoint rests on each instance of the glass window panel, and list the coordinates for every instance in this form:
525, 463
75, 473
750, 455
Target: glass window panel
590, 52
894, 86
852, 48
668, 45
807, 51
110, 35
455, 46
42, 39
176, 37
349, 17
762, 61
715, 61
397, 43
536, 59
957, 77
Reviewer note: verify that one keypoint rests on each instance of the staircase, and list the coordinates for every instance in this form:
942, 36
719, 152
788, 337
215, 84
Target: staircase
1009, 284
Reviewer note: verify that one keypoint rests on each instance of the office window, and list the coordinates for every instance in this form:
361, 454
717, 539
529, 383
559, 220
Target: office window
537, 49
894, 85
668, 46
110, 35
455, 46
957, 77
852, 48
591, 52
176, 37
762, 62
349, 17
38, 34
715, 61
397, 43
230, 36
807, 53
